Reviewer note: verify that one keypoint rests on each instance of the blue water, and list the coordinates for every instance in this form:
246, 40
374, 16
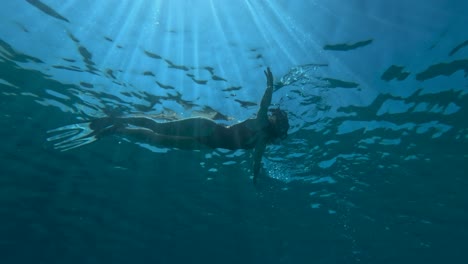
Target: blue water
374, 169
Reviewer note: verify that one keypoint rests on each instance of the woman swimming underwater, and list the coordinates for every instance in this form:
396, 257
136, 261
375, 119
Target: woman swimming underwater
191, 133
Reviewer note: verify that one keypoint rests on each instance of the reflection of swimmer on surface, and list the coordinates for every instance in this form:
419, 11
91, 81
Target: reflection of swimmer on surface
191, 133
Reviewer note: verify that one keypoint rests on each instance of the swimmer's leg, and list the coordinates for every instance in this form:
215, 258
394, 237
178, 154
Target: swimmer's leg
189, 127
170, 141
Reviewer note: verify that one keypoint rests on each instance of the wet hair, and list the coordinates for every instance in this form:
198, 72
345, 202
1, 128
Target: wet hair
279, 124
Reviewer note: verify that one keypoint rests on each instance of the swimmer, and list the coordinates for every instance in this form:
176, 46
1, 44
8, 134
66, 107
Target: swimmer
191, 133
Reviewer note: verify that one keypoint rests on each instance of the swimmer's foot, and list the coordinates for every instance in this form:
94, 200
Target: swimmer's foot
72, 136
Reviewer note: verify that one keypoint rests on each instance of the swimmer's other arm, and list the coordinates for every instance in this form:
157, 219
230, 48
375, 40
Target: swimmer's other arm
257, 157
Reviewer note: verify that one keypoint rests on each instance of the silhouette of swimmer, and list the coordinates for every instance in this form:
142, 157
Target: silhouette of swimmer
189, 134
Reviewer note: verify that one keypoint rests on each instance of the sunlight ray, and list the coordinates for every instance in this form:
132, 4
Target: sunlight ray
269, 31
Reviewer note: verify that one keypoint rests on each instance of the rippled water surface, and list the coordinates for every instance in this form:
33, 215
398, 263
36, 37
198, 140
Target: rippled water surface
374, 169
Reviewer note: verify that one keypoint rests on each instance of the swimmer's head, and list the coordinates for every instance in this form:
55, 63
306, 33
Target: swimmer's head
279, 123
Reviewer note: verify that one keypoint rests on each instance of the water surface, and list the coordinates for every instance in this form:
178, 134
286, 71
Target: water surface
374, 169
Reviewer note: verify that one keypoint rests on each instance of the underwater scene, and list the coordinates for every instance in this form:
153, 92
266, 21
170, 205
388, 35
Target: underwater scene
215, 131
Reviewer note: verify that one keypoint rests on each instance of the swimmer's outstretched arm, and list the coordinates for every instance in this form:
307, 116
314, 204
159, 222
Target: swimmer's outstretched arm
262, 118
262, 114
